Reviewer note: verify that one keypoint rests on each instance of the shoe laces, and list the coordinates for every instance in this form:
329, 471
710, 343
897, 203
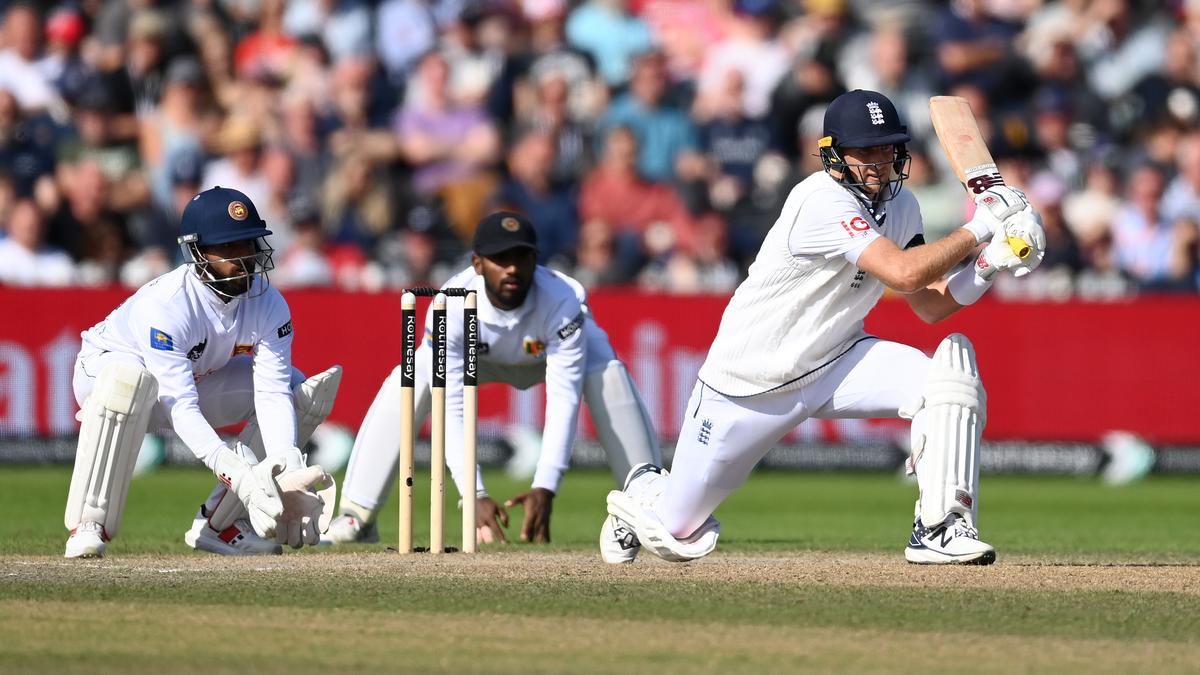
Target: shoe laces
961, 528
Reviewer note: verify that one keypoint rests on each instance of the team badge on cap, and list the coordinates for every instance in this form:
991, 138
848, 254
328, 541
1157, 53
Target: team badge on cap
510, 224
237, 210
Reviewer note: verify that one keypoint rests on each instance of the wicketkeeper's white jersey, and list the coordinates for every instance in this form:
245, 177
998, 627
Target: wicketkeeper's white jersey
804, 300
182, 331
551, 337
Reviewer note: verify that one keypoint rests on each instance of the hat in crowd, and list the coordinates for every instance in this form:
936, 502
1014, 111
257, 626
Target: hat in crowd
864, 119
218, 216
147, 24
184, 70
239, 133
65, 25
503, 231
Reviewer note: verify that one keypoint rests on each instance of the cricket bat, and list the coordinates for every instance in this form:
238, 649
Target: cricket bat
963, 144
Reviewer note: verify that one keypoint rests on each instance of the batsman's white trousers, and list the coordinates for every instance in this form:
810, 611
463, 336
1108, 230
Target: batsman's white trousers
723, 438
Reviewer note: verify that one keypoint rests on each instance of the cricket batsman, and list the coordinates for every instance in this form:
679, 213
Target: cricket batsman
534, 326
791, 346
206, 345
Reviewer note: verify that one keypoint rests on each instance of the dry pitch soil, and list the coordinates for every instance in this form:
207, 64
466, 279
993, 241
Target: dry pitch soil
841, 569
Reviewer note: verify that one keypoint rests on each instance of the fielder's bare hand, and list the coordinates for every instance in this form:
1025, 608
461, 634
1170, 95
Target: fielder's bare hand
490, 519
537, 504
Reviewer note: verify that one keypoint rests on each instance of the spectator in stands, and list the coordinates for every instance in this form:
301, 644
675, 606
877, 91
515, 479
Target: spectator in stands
25, 258
303, 263
974, 47
643, 219
750, 50
176, 128
19, 71
63, 64
890, 70
613, 36
1150, 248
1182, 198
531, 191
268, 51
86, 226
26, 154
1120, 48
548, 110
802, 95
404, 31
357, 203
450, 146
665, 135
96, 138
1051, 127
344, 26
240, 144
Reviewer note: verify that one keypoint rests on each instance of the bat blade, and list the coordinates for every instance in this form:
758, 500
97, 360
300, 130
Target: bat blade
962, 141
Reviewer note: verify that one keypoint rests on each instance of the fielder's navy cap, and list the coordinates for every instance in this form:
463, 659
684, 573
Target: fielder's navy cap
502, 231
863, 119
218, 216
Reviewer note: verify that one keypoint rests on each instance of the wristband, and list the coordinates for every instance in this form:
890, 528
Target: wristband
966, 286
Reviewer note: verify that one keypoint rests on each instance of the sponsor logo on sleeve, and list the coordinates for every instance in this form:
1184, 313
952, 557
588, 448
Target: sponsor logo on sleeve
857, 225
238, 350
570, 329
285, 330
160, 340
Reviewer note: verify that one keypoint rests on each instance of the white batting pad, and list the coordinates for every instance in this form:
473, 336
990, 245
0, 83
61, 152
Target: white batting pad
946, 432
313, 399
622, 424
114, 421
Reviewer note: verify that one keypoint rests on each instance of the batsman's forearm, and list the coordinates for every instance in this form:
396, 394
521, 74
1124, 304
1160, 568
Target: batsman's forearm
931, 262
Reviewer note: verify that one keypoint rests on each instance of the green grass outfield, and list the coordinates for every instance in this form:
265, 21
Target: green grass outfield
809, 576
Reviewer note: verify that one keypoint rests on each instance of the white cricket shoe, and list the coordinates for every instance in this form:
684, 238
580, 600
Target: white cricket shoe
954, 541
86, 541
632, 508
618, 543
347, 529
237, 539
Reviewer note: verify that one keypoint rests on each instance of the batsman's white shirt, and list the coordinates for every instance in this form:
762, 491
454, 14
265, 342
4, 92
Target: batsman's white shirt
550, 337
803, 303
183, 332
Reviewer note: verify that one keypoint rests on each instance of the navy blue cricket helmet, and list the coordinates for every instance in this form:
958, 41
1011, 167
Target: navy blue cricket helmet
220, 216
864, 119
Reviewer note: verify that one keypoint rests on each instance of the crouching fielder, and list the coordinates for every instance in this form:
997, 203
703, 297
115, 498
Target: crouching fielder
534, 326
204, 346
791, 346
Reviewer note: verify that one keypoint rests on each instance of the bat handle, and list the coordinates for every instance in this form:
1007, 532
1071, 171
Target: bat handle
1019, 246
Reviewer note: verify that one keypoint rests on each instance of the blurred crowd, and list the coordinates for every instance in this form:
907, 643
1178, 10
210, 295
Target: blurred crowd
652, 142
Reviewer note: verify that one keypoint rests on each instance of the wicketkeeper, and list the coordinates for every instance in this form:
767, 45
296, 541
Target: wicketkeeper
206, 345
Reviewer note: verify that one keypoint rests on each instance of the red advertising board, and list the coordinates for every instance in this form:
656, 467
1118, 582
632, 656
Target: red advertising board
1053, 371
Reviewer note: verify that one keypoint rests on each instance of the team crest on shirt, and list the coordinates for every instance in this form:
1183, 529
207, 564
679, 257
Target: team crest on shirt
238, 350
161, 341
535, 348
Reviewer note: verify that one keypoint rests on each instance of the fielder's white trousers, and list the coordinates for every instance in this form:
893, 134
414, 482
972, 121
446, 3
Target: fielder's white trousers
226, 395
723, 438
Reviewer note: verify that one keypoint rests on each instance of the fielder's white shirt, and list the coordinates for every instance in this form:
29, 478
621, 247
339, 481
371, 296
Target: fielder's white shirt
803, 303
182, 331
547, 338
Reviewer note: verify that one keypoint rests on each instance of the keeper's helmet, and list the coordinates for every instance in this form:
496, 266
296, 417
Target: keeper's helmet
221, 216
865, 119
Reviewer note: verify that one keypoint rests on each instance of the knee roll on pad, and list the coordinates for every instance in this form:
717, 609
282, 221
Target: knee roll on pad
622, 423
946, 433
114, 421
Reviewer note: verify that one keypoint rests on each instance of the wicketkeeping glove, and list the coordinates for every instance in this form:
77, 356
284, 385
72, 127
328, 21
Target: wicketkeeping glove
254, 485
